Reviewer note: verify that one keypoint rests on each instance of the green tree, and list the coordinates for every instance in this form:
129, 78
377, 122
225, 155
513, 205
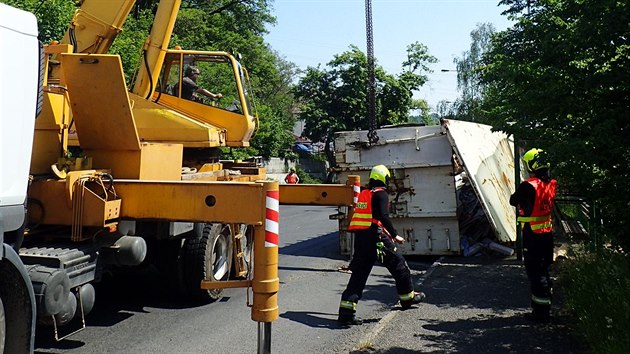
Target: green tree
128, 44
424, 116
561, 78
53, 16
335, 98
446, 109
275, 135
468, 74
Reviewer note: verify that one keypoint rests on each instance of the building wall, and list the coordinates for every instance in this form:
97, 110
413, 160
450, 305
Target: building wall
277, 168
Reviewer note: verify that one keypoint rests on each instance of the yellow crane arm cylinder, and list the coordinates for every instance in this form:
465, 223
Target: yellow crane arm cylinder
156, 47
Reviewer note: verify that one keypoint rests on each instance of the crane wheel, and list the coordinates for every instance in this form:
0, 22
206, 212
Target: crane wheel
16, 311
206, 254
3, 326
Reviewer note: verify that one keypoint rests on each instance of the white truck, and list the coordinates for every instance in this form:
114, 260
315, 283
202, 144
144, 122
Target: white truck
450, 185
19, 101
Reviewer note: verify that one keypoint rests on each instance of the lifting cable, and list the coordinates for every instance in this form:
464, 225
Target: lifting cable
372, 135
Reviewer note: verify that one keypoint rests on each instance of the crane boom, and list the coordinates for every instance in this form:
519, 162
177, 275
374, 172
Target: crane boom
96, 24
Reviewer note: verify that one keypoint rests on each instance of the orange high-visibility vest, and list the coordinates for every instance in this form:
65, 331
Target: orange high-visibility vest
291, 178
362, 216
540, 219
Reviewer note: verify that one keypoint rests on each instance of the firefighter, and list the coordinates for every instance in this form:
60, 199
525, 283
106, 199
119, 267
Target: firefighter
374, 239
292, 177
534, 199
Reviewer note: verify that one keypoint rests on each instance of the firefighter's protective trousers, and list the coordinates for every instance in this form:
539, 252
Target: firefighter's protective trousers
364, 257
538, 257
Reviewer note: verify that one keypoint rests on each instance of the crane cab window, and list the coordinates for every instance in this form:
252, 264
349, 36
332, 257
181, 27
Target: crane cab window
208, 79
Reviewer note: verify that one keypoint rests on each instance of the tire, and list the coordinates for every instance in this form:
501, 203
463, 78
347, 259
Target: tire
206, 254
16, 310
3, 327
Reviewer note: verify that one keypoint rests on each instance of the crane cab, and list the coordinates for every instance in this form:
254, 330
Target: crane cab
219, 72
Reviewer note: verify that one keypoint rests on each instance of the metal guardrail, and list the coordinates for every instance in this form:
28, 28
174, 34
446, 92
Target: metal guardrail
576, 226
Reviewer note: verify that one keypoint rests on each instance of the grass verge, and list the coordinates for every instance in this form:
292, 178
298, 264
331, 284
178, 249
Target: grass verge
597, 295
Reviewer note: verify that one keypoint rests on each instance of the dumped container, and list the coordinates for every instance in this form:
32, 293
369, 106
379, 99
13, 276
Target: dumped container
448, 178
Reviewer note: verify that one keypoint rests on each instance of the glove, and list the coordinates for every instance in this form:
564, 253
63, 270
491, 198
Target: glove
380, 251
399, 239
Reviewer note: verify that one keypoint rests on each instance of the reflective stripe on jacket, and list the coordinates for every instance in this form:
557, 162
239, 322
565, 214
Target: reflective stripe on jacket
540, 219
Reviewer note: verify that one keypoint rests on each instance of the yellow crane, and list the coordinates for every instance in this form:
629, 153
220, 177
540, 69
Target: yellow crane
131, 195
123, 177
76, 106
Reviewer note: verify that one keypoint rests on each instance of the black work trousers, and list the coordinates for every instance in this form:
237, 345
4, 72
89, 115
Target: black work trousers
538, 257
363, 260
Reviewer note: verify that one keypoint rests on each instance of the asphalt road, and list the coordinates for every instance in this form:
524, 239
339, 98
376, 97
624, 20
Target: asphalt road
137, 314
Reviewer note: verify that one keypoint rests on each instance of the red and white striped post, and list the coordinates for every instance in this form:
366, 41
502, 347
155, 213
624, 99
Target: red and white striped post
355, 181
356, 189
272, 218
265, 283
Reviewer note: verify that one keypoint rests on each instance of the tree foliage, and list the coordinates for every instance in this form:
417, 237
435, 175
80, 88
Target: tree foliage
335, 98
560, 78
468, 74
53, 16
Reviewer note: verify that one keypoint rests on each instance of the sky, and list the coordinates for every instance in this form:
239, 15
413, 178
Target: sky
311, 32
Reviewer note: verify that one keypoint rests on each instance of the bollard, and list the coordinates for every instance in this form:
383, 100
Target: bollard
265, 283
355, 181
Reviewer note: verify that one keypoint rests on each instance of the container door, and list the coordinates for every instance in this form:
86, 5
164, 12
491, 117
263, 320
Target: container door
488, 159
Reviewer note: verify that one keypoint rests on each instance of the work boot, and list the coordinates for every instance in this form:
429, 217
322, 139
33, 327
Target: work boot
418, 297
347, 309
350, 320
